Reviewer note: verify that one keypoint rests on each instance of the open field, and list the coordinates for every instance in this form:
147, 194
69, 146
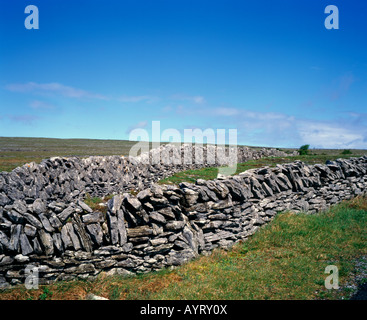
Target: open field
285, 259
15, 152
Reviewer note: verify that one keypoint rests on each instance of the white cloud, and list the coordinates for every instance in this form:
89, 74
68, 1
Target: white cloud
279, 129
26, 119
134, 99
37, 105
198, 99
141, 124
227, 112
341, 86
53, 88
194, 99
332, 135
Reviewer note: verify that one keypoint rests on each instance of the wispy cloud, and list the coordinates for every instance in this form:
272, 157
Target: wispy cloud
341, 86
279, 129
227, 112
53, 88
135, 99
250, 115
141, 124
41, 105
330, 134
316, 68
194, 99
26, 119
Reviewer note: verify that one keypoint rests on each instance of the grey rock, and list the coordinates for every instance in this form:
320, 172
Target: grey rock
144, 194
3, 283
19, 206
85, 268
72, 235
133, 203
47, 242
84, 206
25, 246
82, 234
139, 231
65, 237
211, 237
190, 196
36, 246
39, 206
113, 228
95, 217
175, 225
15, 217
21, 258
46, 223
127, 263
30, 230
158, 241
155, 216
54, 221
167, 212
91, 296
66, 213
121, 229
127, 247
4, 200
115, 203
33, 220
15, 237
4, 241
57, 240
177, 258
5, 260
158, 202
96, 233
222, 204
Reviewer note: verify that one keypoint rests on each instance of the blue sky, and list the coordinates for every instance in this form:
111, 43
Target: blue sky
270, 69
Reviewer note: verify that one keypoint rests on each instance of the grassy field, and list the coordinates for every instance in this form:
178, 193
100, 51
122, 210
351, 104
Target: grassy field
15, 152
285, 259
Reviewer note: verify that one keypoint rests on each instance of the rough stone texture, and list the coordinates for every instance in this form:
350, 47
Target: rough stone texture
162, 226
57, 181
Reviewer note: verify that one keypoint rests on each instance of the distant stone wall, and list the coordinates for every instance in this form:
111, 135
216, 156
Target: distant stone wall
68, 179
163, 225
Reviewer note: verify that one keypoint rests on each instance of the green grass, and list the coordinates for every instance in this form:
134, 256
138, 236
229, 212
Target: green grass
15, 152
212, 172
96, 203
285, 259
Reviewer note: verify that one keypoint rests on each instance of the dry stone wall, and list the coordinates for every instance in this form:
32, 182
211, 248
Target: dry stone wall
68, 179
163, 226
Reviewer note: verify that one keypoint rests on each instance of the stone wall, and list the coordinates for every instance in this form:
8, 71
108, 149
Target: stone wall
163, 226
68, 179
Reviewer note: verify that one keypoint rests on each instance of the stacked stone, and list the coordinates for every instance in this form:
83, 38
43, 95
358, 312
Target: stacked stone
163, 226
69, 179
